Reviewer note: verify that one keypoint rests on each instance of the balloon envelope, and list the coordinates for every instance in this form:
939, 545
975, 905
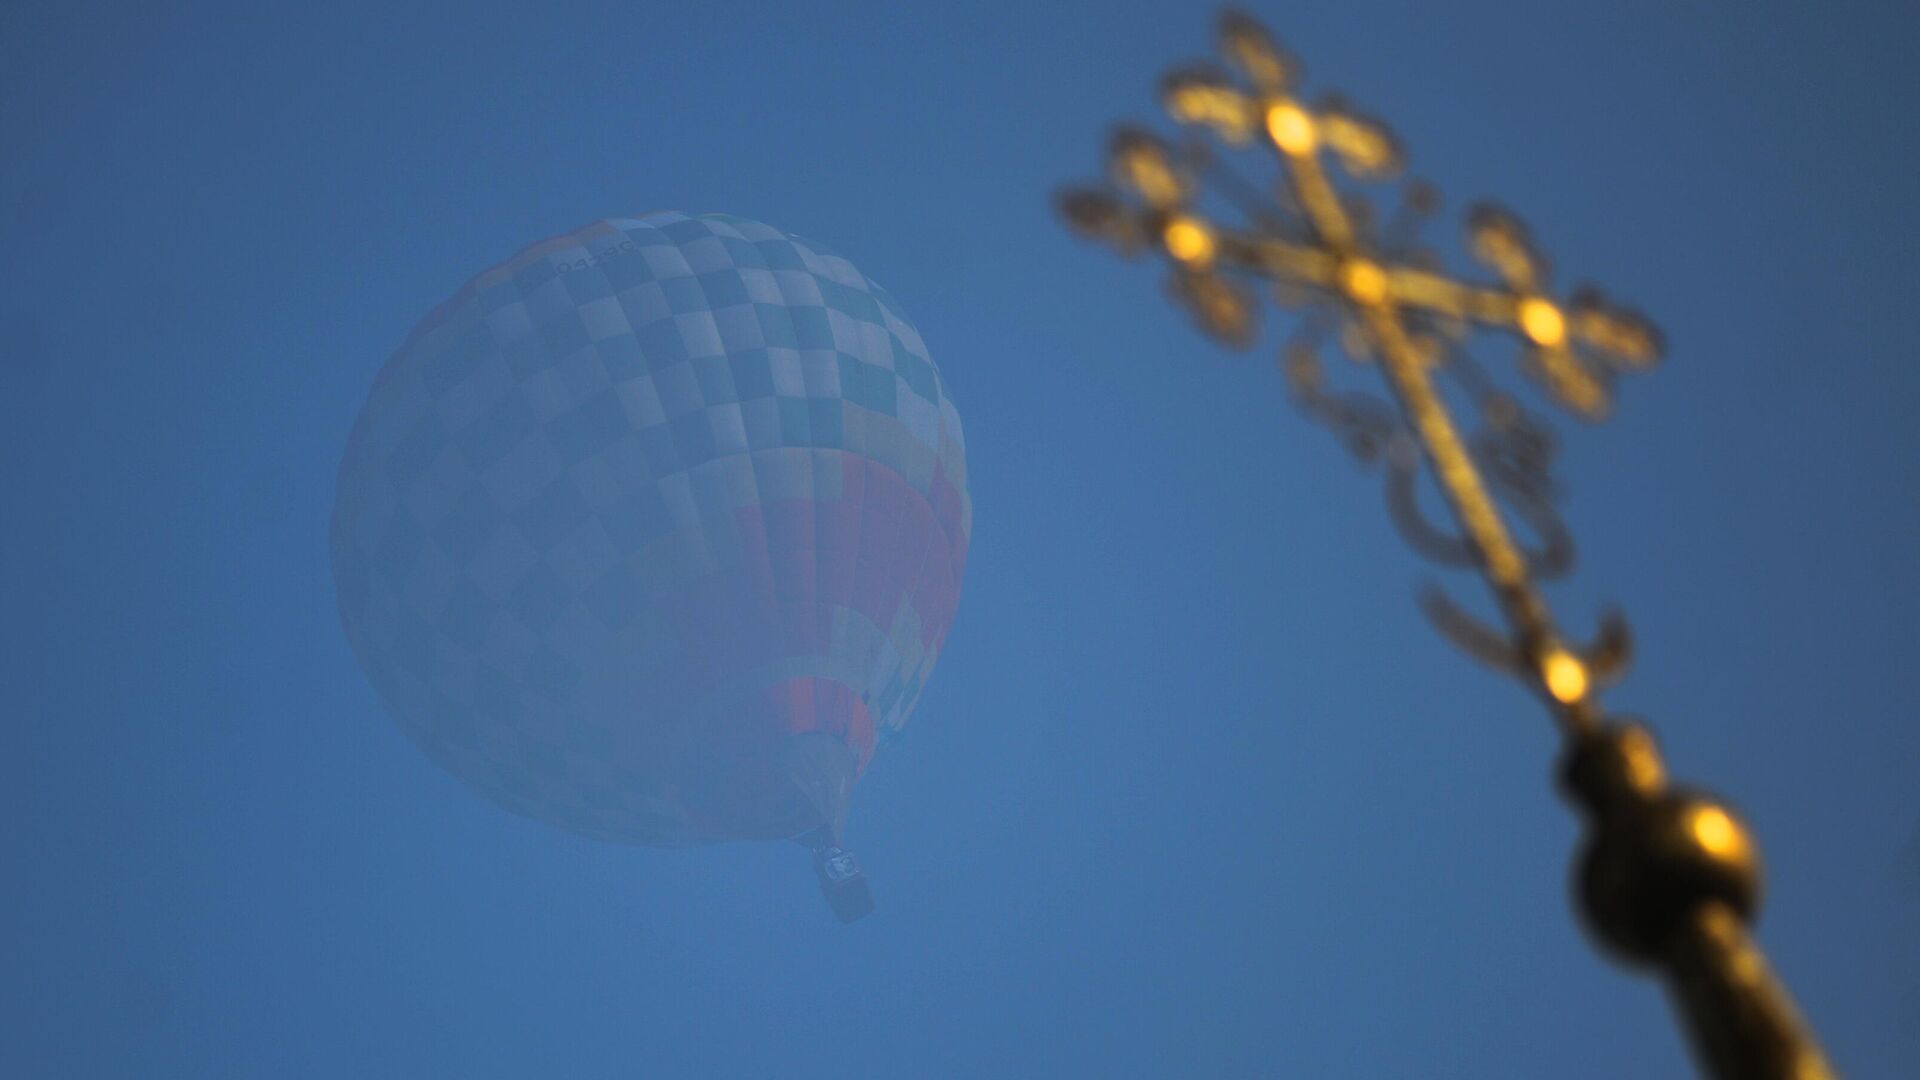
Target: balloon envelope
651, 530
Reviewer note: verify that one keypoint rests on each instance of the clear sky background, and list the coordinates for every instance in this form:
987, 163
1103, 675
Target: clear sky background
1194, 791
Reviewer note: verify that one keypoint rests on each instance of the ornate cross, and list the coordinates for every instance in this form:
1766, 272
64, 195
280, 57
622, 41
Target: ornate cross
1669, 877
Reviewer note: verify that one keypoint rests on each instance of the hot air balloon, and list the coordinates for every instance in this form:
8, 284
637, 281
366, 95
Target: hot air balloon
655, 530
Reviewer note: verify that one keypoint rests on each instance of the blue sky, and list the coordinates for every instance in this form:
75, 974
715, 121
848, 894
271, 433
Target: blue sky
1194, 789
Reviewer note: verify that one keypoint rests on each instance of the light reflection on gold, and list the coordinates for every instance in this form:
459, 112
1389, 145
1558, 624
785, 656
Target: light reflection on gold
1717, 833
1189, 241
1292, 128
1542, 322
1564, 675
1364, 281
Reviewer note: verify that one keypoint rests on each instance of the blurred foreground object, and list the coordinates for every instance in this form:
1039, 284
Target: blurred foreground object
1669, 878
652, 531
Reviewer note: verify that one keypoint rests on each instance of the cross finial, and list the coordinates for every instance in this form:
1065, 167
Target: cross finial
1668, 876
1311, 237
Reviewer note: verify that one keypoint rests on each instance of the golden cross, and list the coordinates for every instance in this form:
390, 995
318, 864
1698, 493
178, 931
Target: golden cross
1668, 876
1572, 347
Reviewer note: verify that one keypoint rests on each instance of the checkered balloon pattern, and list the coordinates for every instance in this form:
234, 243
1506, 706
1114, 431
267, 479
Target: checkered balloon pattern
641, 504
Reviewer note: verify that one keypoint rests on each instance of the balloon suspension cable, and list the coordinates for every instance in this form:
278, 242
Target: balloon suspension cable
1669, 878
